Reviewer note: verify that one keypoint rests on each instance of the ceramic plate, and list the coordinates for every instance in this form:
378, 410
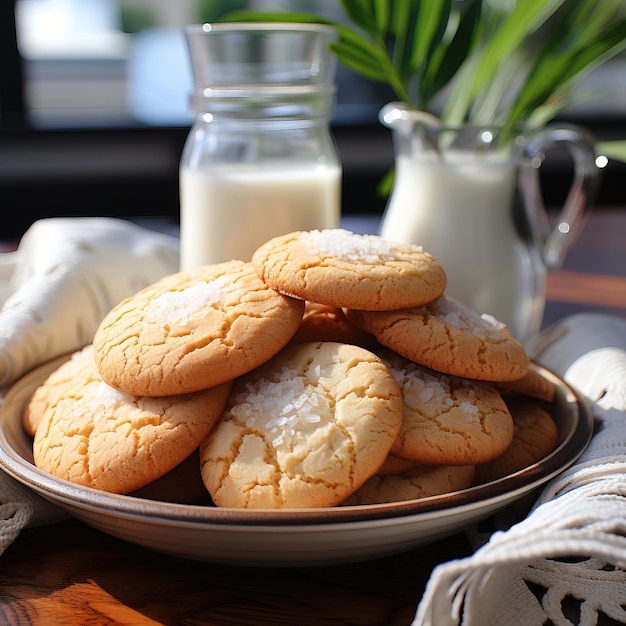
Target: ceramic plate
286, 537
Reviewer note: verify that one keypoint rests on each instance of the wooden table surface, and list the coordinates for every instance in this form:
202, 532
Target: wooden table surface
70, 574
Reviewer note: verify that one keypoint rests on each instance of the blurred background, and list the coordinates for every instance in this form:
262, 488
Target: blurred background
94, 110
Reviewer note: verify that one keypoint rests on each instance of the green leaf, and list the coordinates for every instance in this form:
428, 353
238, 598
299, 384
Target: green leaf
382, 16
245, 15
486, 107
365, 60
403, 17
447, 58
360, 12
525, 18
432, 19
613, 149
385, 184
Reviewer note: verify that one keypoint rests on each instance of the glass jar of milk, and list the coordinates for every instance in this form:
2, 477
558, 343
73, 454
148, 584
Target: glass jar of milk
260, 159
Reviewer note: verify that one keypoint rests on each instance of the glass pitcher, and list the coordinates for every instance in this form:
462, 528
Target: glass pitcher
259, 160
476, 206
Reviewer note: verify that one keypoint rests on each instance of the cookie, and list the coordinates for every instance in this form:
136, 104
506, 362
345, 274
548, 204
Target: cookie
193, 330
449, 337
321, 322
95, 436
421, 482
306, 429
448, 420
181, 485
532, 385
536, 435
342, 269
53, 386
396, 465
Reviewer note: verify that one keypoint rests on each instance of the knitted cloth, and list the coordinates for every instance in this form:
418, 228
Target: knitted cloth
572, 544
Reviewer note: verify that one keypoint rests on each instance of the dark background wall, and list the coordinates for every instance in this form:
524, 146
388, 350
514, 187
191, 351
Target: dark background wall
134, 172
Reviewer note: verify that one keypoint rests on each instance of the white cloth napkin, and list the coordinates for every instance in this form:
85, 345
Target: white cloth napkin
65, 275
55, 288
572, 545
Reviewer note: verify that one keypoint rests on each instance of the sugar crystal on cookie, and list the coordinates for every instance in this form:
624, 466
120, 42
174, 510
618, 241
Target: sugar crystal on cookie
460, 316
181, 306
346, 245
292, 406
107, 399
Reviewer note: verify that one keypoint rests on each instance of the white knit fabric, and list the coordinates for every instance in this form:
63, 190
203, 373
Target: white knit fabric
573, 542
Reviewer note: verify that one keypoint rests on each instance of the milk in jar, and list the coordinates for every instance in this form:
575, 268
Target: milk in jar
228, 212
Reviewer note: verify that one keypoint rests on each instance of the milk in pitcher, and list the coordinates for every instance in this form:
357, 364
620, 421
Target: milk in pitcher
472, 197
460, 211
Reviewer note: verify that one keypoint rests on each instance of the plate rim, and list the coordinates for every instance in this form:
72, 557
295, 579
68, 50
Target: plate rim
58, 490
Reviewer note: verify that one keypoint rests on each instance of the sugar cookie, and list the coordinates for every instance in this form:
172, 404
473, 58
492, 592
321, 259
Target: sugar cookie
536, 435
54, 385
533, 385
342, 269
303, 430
396, 465
328, 323
449, 337
193, 330
182, 484
448, 420
96, 436
420, 482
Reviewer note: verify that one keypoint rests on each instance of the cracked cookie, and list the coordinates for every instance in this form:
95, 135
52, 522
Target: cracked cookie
421, 482
306, 429
535, 436
93, 435
396, 465
328, 323
193, 330
449, 337
339, 268
448, 420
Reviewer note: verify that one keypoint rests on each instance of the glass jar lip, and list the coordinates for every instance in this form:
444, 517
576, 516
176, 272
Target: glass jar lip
265, 91
218, 27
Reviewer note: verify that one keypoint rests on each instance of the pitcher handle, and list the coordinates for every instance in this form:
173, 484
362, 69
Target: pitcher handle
553, 242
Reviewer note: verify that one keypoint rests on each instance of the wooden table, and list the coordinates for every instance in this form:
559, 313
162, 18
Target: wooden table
70, 574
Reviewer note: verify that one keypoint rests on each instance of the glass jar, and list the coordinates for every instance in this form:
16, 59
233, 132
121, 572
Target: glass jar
259, 160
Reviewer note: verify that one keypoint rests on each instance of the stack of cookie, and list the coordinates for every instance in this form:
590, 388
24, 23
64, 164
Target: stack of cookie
331, 369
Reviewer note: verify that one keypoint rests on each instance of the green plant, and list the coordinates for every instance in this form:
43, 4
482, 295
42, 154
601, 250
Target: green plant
500, 62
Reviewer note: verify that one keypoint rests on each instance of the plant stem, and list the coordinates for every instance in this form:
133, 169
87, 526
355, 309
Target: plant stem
394, 79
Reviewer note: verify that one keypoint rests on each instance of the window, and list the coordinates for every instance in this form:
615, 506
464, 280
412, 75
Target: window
124, 62
94, 113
